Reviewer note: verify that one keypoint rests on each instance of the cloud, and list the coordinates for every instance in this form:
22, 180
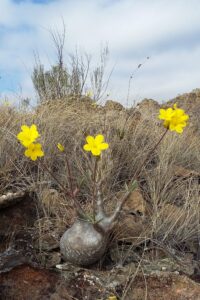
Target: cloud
133, 29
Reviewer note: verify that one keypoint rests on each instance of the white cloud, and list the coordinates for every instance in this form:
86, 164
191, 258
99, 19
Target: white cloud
167, 31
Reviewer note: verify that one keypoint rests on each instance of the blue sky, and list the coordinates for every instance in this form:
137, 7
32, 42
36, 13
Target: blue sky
33, 1
167, 31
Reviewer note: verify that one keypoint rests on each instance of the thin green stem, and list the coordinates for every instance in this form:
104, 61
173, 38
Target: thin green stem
94, 186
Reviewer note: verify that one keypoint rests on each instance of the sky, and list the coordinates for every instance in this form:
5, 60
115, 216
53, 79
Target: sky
166, 31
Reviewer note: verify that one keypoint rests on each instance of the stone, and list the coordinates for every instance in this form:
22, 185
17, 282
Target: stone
47, 241
180, 171
26, 282
162, 286
133, 218
136, 204
51, 259
113, 105
11, 198
148, 108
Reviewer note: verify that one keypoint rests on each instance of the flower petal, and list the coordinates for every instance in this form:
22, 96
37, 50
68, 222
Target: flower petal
60, 147
27, 153
103, 146
28, 135
162, 114
20, 136
174, 118
34, 151
179, 129
99, 139
26, 143
24, 128
90, 139
172, 127
33, 127
87, 147
96, 151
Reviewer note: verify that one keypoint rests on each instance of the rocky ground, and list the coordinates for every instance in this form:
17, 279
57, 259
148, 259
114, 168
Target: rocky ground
27, 272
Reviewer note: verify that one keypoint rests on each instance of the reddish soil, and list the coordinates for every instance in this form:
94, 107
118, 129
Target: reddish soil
27, 283
164, 287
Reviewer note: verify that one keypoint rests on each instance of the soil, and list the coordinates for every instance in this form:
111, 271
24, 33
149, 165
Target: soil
24, 275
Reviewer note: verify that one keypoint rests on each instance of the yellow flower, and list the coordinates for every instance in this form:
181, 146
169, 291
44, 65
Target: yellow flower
89, 94
112, 298
28, 135
174, 118
6, 103
95, 144
60, 147
166, 114
34, 151
94, 104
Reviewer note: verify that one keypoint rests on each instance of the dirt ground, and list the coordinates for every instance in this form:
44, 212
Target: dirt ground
23, 277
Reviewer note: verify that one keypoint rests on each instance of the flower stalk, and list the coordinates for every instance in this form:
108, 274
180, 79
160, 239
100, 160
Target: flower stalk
94, 192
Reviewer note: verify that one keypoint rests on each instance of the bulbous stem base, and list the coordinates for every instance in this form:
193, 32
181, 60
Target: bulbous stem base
83, 244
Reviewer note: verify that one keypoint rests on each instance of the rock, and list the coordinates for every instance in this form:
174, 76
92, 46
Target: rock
50, 260
26, 282
148, 108
69, 271
182, 172
21, 214
130, 229
133, 283
11, 198
136, 204
133, 119
15, 221
47, 242
162, 286
113, 105
117, 276
62, 292
169, 264
123, 253
10, 259
133, 220
196, 91
160, 280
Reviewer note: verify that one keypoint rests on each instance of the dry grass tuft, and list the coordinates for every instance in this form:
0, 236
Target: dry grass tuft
174, 199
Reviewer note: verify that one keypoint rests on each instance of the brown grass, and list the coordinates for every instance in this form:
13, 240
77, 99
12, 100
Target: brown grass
174, 200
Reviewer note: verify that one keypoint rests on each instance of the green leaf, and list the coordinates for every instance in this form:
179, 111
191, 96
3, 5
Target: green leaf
132, 186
